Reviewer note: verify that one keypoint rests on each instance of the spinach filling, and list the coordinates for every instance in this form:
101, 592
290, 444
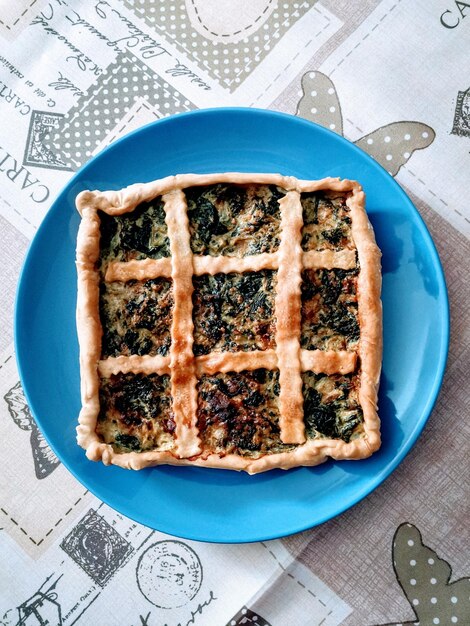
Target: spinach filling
136, 317
136, 412
234, 220
139, 234
238, 413
329, 309
234, 312
331, 405
327, 224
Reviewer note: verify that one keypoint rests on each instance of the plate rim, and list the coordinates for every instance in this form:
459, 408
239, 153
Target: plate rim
376, 479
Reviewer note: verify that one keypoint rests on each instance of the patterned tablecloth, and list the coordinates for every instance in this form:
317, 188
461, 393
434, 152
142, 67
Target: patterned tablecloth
391, 76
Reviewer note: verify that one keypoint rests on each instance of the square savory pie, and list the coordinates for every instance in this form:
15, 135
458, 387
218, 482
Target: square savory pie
228, 320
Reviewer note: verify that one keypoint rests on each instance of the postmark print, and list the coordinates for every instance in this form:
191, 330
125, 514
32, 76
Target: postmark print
97, 547
37, 153
169, 574
461, 125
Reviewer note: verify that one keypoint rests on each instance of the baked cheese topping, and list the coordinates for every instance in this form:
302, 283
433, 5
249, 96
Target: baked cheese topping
136, 413
233, 312
234, 220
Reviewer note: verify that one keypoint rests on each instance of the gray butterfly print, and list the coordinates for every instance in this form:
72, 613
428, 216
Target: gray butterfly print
425, 580
45, 461
391, 145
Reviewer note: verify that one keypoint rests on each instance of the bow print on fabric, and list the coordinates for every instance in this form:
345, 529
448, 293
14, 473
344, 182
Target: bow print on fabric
425, 580
45, 461
391, 145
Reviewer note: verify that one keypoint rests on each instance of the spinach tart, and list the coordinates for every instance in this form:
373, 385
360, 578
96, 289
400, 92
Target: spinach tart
228, 320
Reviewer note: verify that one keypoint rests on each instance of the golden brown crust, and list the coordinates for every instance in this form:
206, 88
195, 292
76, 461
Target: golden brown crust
153, 268
370, 315
138, 364
287, 308
328, 362
184, 367
138, 270
89, 329
329, 259
236, 361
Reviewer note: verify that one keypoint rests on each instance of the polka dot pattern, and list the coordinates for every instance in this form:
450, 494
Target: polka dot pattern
393, 145
425, 577
319, 102
390, 145
242, 56
90, 121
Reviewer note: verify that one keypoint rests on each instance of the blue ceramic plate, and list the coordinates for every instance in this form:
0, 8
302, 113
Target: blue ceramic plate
219, 505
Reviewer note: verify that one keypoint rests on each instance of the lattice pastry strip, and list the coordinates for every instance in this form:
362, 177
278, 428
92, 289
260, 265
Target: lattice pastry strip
152, 268
182, 365
318, 361
168, 379
288, 320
